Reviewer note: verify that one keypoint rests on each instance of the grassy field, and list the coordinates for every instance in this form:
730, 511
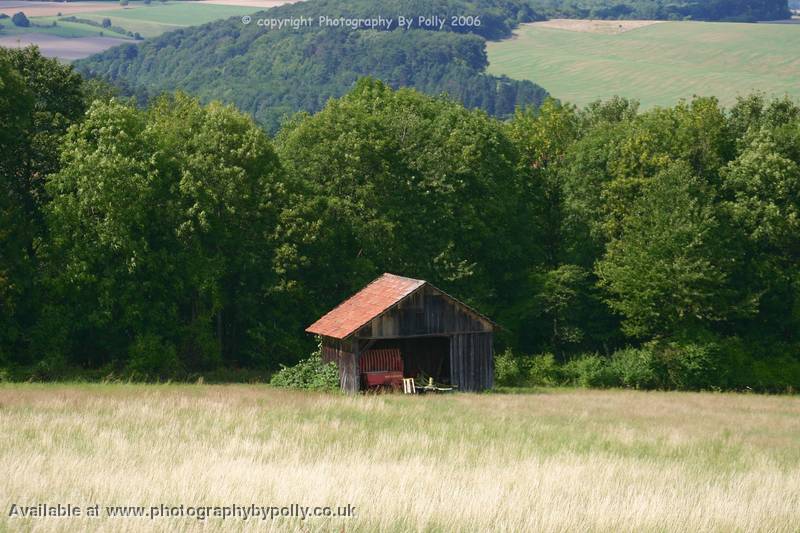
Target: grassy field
179, 13
153, 20
657, 64
555, 460
67, 30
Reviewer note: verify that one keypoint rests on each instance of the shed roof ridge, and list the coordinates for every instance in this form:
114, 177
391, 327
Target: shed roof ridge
374, 281
396, 276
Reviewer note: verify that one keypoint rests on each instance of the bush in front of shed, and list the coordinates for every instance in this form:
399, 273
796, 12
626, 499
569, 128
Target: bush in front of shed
311, 374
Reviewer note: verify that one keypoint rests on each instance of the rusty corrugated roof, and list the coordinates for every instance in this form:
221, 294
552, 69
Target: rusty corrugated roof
349, 316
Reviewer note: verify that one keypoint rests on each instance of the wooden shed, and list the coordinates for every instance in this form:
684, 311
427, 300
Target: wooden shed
436, 335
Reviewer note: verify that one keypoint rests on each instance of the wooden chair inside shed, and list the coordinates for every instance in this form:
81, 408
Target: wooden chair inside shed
382, 368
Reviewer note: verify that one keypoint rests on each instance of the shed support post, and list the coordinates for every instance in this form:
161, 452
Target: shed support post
356, 363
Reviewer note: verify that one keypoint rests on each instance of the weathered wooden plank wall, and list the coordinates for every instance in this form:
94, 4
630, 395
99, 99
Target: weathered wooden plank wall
472, 361
344, 354
348, 372
426, 312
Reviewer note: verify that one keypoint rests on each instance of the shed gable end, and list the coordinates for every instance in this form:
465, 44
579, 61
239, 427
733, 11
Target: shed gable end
427, 311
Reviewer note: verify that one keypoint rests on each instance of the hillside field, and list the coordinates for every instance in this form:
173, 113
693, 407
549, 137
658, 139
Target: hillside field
70, 40
545, 460
153, 20
657, 64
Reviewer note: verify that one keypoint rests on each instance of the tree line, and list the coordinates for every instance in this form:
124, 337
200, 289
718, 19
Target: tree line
180, 239
717, 10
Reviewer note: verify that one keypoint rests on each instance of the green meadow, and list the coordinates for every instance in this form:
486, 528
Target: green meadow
657, 64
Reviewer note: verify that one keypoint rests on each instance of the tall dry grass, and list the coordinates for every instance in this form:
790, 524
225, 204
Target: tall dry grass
551, 461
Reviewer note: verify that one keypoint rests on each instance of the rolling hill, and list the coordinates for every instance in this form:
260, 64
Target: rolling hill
272, 73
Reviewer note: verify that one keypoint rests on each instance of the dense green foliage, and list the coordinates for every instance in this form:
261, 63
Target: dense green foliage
640, 249
726, 10
397, 181
273, 73
673, 365
39, 100
310, 374
161, 228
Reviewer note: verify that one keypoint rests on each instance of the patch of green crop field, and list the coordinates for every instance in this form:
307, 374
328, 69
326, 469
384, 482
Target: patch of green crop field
177, 14
658, 64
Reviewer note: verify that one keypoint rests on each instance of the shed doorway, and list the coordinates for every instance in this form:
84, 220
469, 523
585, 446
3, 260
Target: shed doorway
426, 357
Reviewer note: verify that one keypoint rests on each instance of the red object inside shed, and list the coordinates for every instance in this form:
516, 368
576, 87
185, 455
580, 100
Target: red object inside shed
382, 368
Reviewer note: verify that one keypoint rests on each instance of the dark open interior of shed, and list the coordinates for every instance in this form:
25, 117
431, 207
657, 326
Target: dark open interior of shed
422, 356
